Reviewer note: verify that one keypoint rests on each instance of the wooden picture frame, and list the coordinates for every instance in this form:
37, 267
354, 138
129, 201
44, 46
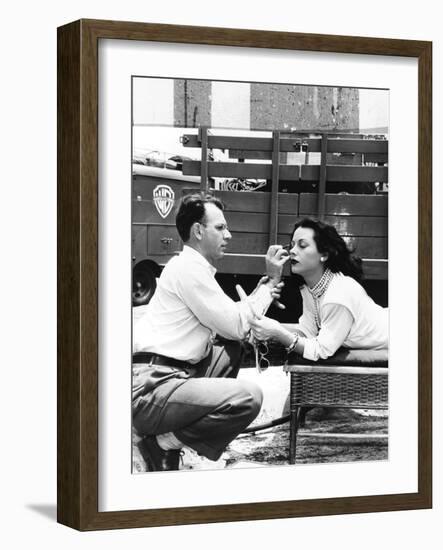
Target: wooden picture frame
78, 465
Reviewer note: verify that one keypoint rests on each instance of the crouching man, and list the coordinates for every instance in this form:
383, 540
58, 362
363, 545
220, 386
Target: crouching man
188, 344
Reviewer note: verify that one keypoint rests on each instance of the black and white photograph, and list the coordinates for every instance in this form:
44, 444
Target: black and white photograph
260, 308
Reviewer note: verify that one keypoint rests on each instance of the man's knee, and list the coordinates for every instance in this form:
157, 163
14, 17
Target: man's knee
253, 396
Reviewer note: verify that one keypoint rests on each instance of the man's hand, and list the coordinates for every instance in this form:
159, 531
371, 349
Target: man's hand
275, 291
276, 257
247, 299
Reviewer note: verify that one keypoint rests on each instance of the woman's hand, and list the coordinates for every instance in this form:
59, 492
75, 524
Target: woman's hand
265, 328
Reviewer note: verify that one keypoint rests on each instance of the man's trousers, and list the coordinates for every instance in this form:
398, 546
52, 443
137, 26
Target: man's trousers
205, 405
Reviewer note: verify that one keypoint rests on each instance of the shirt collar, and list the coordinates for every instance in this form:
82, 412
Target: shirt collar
197, 257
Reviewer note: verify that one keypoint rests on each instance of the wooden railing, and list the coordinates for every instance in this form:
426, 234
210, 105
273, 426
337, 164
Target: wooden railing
258, 219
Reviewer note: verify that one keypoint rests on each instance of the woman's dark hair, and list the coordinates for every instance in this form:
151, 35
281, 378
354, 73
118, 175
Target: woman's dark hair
329, 243
192, 209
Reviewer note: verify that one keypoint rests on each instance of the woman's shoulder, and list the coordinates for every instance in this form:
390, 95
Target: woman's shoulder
342, 288
345, 281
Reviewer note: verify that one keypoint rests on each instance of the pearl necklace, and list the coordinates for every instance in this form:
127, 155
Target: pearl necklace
317, 292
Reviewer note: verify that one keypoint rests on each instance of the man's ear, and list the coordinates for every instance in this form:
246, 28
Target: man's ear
196, 230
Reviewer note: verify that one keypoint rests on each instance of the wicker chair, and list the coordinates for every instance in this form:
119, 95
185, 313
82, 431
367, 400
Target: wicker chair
356, 379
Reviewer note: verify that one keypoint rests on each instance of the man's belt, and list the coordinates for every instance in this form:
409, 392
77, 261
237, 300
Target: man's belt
157, 359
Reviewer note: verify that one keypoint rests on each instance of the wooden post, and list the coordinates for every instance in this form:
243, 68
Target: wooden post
203, 138
322, 182
273, 211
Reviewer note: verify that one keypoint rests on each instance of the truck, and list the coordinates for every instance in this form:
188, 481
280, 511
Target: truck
266, 184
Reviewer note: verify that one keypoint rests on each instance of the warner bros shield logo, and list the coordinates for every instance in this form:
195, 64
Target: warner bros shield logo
163, 197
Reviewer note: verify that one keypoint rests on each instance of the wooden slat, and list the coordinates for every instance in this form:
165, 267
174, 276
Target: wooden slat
241, 242
242, 170
254, 243
350, 158
357, 146
231, 142
288, 172
345, 159
376, 157
375, 270
257, 243
346, 173
252, 222
243, 264
368, 247
359, 226
348, 145
345, 205
243, 143
252, 155
289, 144
256, 201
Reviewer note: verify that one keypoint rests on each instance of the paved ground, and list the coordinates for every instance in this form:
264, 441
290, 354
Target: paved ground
270, 446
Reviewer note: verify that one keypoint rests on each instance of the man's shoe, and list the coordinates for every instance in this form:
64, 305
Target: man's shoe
157, 460
191, 460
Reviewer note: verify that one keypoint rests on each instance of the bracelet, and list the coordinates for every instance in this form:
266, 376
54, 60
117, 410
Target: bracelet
294, 342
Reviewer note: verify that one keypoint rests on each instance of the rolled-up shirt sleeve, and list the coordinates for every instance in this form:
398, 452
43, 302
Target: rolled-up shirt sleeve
335, 326
217, 311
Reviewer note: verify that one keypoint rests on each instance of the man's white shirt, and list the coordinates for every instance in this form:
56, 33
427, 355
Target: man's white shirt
189, 307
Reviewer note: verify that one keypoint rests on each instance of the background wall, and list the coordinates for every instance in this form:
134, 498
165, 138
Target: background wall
258, 106
28, 230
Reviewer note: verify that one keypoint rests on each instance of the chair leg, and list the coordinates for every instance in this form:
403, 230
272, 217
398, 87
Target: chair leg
294, 419
303, 412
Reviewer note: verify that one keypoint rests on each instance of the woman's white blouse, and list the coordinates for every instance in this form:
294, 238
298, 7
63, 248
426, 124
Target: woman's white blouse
347, 316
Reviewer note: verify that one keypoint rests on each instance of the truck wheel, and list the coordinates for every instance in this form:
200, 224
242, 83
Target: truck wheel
143, 283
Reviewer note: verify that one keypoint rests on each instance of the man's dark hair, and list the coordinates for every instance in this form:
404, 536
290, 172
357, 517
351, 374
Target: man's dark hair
192, 209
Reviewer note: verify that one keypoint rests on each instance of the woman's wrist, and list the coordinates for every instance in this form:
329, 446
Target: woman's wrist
293, 345
284, 336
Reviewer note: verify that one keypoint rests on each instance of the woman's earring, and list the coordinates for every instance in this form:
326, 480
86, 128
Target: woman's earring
322, 259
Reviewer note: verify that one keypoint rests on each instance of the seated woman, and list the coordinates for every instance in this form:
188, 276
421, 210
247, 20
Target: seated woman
337, 312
